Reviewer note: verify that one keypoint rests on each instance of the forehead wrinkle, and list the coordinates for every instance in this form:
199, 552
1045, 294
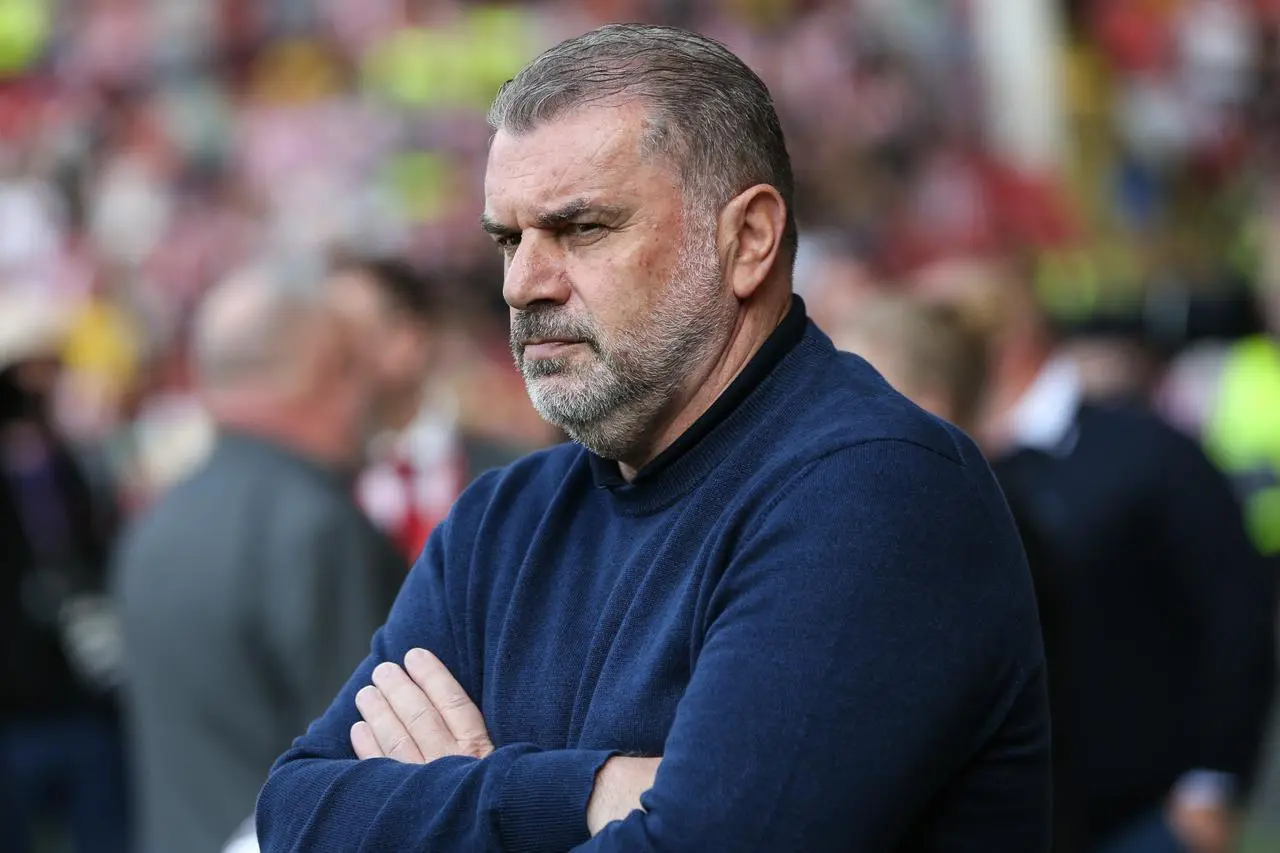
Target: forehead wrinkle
606, 134
601, 162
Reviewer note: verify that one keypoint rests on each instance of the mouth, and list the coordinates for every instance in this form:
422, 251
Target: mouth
543, 348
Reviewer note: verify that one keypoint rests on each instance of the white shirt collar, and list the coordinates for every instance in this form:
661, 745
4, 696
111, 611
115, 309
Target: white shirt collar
1044, 418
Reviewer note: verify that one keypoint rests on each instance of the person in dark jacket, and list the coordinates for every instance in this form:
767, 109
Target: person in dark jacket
61, 757
1169, 635
250, 590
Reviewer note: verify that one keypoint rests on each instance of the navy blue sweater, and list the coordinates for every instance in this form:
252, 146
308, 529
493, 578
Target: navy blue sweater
815, 608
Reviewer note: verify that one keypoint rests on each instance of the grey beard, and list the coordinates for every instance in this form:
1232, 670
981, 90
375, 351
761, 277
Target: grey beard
610, 404
615, 401
606, 412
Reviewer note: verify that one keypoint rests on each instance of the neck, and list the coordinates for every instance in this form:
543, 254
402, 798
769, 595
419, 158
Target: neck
404, 409
1014, 376
288, 426
753, 326
1023, 374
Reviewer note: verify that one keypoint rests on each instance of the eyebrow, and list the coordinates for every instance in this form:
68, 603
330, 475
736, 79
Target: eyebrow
557, 218
494, 227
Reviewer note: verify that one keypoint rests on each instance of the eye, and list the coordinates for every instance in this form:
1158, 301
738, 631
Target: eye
507, 242
584, 232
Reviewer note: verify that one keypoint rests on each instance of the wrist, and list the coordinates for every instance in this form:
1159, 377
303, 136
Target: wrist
620, 783
544, 801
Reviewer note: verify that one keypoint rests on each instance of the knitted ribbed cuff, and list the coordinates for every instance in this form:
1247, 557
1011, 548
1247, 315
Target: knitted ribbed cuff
543, 803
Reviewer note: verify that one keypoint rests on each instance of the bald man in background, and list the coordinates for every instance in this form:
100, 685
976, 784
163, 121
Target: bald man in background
253, 588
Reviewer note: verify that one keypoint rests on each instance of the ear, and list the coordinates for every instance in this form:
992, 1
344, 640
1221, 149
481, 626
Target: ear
750, 237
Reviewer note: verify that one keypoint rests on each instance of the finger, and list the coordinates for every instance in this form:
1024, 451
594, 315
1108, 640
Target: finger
364, 743
415, 711
392, 735
459, 713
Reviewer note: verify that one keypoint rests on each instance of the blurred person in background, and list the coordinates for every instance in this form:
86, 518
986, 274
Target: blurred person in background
1225, 393
251, 589
832, 278
938, 355
421, 459
1169, 611
61, 756
934, 354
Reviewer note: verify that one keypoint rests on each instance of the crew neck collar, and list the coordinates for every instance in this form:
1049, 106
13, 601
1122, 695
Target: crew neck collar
694, 449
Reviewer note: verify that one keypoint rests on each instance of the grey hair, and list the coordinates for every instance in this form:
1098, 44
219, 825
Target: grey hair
711, 115
248, 325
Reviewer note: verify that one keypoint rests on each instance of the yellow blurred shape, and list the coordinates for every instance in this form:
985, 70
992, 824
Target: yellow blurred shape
296, 70
103, 345
24, 31
459, 66
1242, 436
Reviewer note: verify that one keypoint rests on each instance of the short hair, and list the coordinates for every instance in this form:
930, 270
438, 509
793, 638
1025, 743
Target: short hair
999, 292
248, 326
711, 115
936, 346
404, 287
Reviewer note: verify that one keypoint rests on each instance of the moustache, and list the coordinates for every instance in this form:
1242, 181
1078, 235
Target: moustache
549, 325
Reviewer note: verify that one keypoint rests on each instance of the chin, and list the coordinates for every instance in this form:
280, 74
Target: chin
541, 368
559, 381
604, 440
549, 398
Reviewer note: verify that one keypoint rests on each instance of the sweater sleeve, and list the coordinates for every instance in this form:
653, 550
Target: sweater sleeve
1230, 595
319, 798
873, 634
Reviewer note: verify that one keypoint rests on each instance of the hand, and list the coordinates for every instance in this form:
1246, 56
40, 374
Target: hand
619, 785
417, 714
1203, 828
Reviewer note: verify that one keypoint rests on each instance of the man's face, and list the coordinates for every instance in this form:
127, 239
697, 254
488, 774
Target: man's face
337, 386
395, 347
616, 294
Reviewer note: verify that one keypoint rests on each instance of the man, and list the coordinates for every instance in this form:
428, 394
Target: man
1169, 649
760, 589
422, 460
61, 754
250, 590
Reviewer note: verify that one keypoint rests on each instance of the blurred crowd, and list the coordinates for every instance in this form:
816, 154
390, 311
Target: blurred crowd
150, 148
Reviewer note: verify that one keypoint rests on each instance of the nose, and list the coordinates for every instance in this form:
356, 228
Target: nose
535, 273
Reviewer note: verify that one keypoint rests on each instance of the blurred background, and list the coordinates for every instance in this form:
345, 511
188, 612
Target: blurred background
1126, 153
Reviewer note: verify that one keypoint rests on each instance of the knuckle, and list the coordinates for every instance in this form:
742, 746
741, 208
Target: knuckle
417, 717
454, 700
399, 746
